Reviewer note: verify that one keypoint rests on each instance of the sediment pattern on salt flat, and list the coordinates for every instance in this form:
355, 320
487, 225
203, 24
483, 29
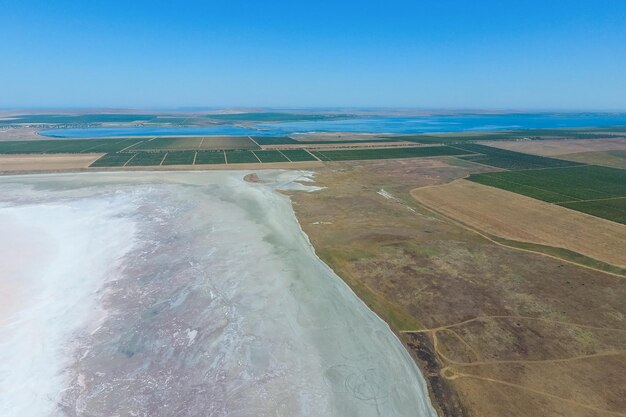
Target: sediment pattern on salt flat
219, 307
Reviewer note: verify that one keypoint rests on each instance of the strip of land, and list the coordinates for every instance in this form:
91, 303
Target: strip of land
517, 217
561, 147
40, 162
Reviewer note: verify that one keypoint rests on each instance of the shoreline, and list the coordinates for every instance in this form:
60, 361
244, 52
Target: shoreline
422, 354
362, 328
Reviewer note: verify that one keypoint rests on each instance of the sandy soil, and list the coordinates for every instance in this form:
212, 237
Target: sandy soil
560, 147
614, 158
516, 217
21, 133
46, 162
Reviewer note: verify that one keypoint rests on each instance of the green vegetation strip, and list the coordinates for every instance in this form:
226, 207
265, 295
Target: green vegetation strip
210, 157
502, 158
608, 209
296, 155
113, 160
274, 140
66, 146
241, 157
529, 134
179, 158
591, 189
387, 153
271, 156
146, 159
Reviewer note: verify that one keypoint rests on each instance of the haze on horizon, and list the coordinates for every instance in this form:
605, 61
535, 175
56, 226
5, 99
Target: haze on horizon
485, 54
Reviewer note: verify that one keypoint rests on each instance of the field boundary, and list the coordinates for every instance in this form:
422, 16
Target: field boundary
510, 243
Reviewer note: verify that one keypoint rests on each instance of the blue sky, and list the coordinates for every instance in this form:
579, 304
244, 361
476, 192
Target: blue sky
524, 54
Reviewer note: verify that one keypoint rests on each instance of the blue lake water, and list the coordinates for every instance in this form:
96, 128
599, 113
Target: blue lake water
382, 124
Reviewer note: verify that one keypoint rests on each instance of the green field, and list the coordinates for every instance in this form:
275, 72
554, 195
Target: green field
274, 140
591, 189
241, 157
501, 158
190, 143
113, 160
270, 156
65, 145
532, 134
296, 155
386, 153
608, 209
210, 157
179, 158
147, 159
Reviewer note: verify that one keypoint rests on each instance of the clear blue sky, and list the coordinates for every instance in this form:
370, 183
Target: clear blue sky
526, 54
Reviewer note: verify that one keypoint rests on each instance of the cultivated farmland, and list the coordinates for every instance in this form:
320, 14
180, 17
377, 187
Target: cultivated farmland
179, 158
295, 155
147, 159
66, 146
197, 143
387, 153
210, 157
113, 160
271, 156
592, 189
505, 159
241, 157
274, 140
609, 209
519, 218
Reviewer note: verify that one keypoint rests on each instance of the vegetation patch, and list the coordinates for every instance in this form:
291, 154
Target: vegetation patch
113, 160
591, 189
147, 159
296, 155
241, 157
614, 210
271, 156
274, 140
387, 153
502, 158
65, 146
210, 157
179, 158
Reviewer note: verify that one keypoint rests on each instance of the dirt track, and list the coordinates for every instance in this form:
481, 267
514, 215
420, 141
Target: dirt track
516, 217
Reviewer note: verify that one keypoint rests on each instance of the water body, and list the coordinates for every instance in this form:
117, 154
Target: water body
400, 125
187, 294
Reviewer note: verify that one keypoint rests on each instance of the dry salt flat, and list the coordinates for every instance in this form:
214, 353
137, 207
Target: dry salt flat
182, 294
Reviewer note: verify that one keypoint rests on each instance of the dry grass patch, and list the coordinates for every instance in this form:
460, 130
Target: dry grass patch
46, 162
516, 217
613, 158
560, 147
473, 303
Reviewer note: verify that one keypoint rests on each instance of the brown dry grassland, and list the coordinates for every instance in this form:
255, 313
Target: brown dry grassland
614, 158
497, 331
517, 217
560, 147
46, 162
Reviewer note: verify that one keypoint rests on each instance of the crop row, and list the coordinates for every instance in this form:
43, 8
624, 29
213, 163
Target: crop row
502, 158
387, 153
596, 190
